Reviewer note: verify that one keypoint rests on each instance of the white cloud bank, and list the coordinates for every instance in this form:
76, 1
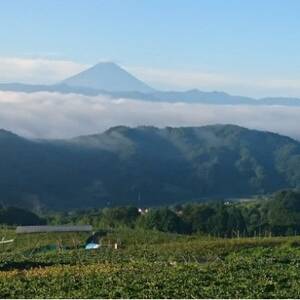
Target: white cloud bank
54, 115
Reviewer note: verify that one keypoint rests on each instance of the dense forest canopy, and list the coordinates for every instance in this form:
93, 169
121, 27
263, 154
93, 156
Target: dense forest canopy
275, 215
278, 214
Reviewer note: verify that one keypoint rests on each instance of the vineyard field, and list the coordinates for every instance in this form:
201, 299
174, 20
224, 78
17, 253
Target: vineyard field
150, 265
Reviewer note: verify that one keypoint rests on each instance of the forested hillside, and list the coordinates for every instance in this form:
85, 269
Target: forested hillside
145, 166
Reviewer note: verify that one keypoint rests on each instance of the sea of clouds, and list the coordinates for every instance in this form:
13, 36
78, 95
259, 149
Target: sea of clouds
55, 115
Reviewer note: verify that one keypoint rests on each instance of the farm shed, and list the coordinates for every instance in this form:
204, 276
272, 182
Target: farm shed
61, 228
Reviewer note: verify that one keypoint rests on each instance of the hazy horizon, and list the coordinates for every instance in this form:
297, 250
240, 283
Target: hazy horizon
246, 49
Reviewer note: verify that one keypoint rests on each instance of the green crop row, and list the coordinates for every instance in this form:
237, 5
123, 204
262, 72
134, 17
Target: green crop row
168, 267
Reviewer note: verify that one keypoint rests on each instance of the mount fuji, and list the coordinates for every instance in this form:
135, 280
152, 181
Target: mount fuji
108, 77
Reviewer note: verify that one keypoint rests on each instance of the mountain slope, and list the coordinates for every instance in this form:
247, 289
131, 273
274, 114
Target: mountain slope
145, 166
108, 77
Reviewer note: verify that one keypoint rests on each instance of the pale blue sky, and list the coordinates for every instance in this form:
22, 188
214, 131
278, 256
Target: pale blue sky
249, 39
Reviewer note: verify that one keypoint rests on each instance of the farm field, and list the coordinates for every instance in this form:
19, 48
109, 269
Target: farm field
149, 264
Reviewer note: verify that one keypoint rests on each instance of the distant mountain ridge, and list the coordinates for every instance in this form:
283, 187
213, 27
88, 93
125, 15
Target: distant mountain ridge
112, 80
145, 166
